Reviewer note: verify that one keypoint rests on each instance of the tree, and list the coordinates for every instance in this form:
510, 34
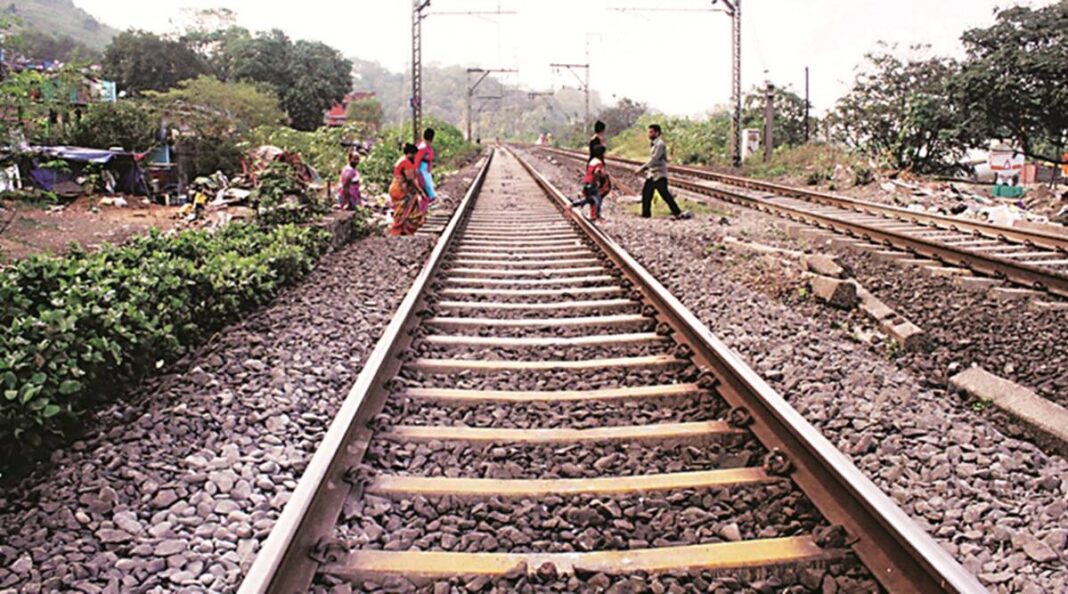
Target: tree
367, 110
1014, 79
308, 77
320, 78
235, 107
622, 115
139, 61
789, 121
898, 112
37, 45
130, 124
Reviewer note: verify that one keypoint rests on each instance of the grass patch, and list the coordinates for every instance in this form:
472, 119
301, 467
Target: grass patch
660, 208
812, 163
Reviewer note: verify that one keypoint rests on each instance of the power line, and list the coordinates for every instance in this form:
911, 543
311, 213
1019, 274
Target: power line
733, 9
418, 14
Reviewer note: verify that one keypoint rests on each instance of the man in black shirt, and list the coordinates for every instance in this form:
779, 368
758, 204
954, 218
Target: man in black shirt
598, 137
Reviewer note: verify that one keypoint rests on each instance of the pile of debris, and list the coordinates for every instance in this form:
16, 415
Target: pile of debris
1041, 205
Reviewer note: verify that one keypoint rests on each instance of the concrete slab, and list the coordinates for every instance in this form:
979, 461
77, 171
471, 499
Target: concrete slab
1044, 420
1037, 305
793, 230
948, 271
814, 235
835, 292
824, 265
1014, 293
979, 284
872, 306
890, 256
910, 336
924, 262
844, 242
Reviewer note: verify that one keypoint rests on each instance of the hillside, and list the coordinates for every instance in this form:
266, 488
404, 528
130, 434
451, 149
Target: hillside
59, 19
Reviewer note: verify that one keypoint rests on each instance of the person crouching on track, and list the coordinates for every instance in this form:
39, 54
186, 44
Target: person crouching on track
656, 179
409, 199
596, 184
424, 163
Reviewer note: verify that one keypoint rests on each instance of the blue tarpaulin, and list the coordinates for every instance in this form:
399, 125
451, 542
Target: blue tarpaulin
124, 166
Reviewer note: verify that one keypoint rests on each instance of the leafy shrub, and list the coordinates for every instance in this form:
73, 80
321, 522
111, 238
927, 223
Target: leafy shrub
76, 328
282, 197
863, 176
132, 125
817, 177
324, 149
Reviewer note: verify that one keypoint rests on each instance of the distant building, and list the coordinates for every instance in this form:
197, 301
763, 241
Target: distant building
336, 117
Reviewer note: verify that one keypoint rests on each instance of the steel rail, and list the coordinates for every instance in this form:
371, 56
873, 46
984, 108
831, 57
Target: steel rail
897, 552
285, 562
1021, 273
1044, 239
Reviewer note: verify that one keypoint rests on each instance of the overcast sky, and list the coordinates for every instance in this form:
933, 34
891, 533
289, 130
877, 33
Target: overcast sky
678, 62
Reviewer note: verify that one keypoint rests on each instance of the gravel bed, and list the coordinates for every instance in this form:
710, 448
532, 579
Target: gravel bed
499, 461
176, 488
577, 523
547, 415
965, 328
845, 576
1000, 505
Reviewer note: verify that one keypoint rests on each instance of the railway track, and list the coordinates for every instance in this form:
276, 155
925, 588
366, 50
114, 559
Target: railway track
542, 415
1032, 259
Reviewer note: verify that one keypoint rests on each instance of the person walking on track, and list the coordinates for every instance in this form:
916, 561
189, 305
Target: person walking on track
595, 185
598, 137
656, 177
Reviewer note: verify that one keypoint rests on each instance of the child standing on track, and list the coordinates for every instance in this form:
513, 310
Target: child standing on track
596, 184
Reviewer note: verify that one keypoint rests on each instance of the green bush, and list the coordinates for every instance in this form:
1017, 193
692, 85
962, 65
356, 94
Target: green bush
323, 149
281, 197
131, 125
77, 328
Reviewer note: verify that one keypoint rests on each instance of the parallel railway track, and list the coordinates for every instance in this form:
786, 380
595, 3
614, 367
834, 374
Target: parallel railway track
1032, 259
541, 408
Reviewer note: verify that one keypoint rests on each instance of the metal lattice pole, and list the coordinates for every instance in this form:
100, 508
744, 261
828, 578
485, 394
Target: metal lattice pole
736, 88
417, 67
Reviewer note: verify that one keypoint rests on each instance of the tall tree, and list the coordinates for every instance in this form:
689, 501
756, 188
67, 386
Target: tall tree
308, 77
232, 107
789, 115
140, 61
622, 115
1015, 79
367, 111
320, 78
898, 112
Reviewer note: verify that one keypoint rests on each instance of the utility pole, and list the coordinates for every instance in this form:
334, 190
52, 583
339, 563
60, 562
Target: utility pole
472, 87
733, 9
808, 106
418, 6
769, 121
584, 84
